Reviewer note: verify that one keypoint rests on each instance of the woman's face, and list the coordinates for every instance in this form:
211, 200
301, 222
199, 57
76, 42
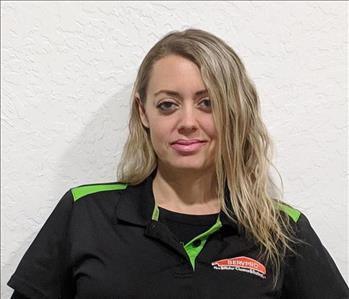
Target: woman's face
179, 116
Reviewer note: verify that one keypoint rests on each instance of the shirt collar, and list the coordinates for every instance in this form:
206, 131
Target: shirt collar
137, 205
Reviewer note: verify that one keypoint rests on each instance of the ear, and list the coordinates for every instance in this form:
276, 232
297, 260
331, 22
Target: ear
141, 110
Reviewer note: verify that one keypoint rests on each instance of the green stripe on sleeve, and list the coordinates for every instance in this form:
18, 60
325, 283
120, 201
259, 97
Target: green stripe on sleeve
82, 191
292, 212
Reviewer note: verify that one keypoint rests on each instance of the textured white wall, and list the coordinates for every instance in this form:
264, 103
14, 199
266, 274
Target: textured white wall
67, 71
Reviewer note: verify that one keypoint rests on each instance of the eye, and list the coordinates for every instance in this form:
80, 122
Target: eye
205, 103
166, 106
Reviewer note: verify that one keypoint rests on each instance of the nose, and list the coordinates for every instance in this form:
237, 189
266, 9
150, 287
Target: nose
187, 121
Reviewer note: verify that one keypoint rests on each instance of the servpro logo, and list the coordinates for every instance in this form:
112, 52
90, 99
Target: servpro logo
241, 263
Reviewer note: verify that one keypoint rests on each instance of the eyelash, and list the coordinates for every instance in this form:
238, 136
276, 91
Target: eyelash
160, 106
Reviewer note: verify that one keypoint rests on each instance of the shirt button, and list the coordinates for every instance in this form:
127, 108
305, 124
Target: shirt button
196, 243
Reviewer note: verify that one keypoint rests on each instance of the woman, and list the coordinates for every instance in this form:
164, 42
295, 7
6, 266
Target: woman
196, 214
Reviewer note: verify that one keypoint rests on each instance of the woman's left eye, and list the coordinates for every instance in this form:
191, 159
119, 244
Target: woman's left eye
206, 103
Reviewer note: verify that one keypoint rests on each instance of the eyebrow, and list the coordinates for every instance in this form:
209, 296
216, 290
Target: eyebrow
175, 93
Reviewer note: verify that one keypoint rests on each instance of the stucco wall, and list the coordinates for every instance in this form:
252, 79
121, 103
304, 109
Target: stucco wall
67, 72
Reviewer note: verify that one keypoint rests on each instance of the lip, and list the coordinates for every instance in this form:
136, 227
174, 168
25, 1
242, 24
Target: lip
186, 147
187, 141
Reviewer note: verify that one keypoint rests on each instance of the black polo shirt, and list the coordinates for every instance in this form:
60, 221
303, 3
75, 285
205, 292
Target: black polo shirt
106, 241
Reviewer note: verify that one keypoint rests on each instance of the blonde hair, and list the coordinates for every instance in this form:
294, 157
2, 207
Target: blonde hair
244, 149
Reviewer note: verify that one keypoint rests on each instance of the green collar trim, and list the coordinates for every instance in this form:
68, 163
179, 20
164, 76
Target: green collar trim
194, 251
155, 215
191, 250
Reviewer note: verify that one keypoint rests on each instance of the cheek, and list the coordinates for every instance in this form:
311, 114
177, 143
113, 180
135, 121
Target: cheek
160, 133
210, 128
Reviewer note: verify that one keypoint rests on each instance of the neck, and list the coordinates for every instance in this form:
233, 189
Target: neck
185, 191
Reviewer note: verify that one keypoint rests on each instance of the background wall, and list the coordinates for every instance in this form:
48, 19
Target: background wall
67, 73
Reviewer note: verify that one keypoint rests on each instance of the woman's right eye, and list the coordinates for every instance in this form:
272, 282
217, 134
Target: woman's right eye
166, 106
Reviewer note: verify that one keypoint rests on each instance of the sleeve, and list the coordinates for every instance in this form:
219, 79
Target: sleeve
17, 295
45, 269
312, 273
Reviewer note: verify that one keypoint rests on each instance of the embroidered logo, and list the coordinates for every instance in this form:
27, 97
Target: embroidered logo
241, 263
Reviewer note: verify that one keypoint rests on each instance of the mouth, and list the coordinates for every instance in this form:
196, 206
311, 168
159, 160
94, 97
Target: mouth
186, 147
187, 141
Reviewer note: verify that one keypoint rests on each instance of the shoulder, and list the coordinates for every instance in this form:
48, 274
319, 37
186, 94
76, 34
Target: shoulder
299, 221
309, 269
92, 203
302, 229
94, 196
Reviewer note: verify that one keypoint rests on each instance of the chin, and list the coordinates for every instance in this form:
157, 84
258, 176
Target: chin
194, 166
187, 163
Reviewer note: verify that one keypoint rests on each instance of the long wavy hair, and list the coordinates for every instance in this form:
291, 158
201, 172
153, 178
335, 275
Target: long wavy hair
244, 148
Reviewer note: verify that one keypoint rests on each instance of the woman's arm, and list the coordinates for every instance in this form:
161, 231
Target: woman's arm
312, 273
45, 269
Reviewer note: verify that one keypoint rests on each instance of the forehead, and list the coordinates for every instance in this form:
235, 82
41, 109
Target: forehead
175, 73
